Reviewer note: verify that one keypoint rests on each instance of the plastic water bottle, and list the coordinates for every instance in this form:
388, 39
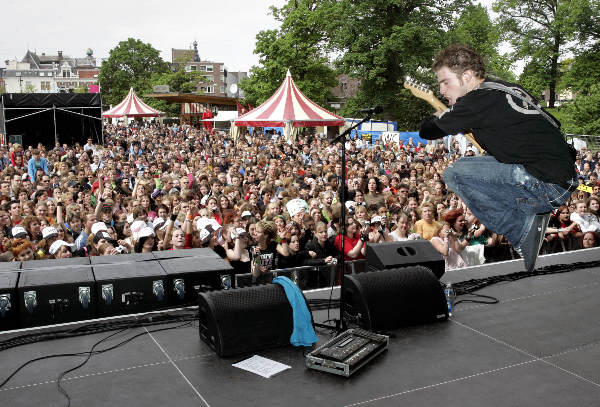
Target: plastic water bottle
449, 293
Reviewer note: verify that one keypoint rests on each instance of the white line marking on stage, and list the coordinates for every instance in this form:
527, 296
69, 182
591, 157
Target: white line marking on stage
124, 369
458, 379
533, 360
177, 367
532, 295
541, 359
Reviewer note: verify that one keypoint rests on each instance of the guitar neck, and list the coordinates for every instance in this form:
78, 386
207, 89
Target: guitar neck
437, 104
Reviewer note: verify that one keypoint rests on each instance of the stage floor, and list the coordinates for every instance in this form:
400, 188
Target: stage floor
540, 346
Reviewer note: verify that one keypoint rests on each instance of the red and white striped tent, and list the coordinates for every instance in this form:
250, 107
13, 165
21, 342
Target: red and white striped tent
132, 106
289, 108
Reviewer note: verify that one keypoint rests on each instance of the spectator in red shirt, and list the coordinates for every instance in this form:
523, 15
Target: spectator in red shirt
354, 241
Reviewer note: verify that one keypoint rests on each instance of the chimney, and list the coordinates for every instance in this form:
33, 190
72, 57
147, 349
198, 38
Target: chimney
60, 55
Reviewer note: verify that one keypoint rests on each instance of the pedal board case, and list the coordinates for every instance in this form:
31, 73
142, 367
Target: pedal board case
346, 353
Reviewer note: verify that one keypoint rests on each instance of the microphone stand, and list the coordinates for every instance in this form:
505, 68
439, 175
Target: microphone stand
340, 324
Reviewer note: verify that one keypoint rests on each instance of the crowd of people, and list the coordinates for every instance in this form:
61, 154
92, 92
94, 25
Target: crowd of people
260, 202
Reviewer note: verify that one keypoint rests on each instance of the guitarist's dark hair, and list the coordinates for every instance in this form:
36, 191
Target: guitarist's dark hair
458, 58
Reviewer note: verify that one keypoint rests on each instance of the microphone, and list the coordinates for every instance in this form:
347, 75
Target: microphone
371, 110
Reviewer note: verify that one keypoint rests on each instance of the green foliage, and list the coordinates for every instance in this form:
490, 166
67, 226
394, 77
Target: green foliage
80, 89
535, 78
179, 81
558, 113
475, 28
130, 64
382, 42
582, 116
293, 49
540, 32
582, 72
29, 89
379, 41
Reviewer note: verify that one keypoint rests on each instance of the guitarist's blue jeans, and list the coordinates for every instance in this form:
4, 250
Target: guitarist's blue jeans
504, 197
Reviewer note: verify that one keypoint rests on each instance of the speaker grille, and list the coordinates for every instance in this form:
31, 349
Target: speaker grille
388, 299
245, 319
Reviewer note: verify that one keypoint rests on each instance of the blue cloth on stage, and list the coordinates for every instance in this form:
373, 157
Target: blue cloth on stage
303, 333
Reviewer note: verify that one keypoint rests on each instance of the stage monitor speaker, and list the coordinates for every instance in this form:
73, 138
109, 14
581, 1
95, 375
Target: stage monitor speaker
129, 287
243, 320
9, 315
390, 255
52, 296
187, 276
389, 299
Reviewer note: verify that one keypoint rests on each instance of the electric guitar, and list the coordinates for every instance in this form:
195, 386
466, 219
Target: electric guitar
422, 91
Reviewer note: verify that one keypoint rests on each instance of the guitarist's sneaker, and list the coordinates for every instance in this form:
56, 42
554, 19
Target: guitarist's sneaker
532, 242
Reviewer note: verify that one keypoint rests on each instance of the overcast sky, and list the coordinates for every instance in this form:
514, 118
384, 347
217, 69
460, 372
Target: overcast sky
225, 29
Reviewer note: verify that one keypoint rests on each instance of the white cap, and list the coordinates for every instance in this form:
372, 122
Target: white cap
18, 231
49, 231
246, 213
98, 226
130, 218
376, 219
136, 227
58, 244
145, 232
350, 204
158, 223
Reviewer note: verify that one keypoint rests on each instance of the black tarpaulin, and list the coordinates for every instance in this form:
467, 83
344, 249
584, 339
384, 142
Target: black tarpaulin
48, 117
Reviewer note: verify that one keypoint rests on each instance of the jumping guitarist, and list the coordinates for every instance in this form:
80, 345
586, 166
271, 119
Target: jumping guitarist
529, 170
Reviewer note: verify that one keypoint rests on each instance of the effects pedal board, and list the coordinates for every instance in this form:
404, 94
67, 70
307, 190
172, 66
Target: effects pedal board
347, 352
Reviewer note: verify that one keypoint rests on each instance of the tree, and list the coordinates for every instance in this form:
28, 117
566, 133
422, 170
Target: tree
130, 64
475, 28
382, 42
294, 48
581, 72
179, 80
535, 78
582, 116
540, 31
377, 41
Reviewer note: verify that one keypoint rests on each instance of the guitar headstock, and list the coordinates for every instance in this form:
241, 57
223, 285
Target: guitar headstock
422, 91
418, 89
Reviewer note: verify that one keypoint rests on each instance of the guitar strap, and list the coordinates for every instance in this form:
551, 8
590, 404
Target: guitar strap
506, 89
503, 88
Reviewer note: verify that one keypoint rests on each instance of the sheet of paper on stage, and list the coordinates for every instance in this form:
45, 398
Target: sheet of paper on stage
261, 366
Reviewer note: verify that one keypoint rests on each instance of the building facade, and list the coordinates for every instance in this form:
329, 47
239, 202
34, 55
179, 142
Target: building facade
214, 73
50, 73
347, 88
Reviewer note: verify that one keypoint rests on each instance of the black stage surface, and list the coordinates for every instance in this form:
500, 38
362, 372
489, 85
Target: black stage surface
540, 346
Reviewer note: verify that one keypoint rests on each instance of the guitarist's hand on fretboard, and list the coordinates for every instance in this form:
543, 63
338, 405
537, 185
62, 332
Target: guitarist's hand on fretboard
422, 91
